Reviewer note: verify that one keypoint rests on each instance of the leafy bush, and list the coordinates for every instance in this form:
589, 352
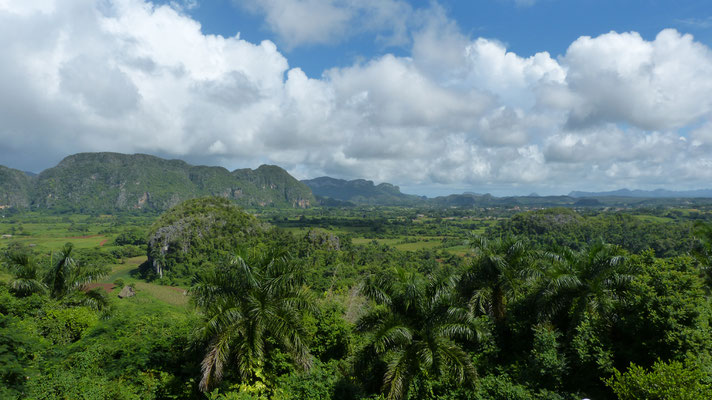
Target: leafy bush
66, 325
18, 348
132, 236
665, 381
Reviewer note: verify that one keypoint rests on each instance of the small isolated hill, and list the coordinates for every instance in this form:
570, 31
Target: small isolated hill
360, 191
198, 232
106, 182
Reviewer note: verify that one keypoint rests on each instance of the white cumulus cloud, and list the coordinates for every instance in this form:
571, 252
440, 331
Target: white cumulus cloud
659, 84
308, 22
131, 76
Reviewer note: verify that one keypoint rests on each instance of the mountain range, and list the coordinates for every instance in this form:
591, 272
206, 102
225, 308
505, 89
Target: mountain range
648, 194
105, 182
108, 182
360, 191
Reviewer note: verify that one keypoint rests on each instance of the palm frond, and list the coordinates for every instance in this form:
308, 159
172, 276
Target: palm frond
26, 286
214, 361
377, 289
458, 362
398, 375
390, 337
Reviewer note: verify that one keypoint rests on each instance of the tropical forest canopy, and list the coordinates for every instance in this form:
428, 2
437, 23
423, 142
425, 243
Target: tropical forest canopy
357, 302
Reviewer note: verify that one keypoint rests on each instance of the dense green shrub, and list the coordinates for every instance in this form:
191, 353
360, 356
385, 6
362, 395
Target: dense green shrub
664, 381
66, 325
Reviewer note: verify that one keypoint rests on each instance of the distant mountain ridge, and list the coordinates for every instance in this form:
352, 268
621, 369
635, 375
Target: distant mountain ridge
105, 182
360, 191
108, 182
488, 200
654, 194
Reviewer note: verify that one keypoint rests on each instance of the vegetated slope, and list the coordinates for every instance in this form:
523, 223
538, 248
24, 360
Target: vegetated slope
360, 191
92, 182
197, 232
16, 188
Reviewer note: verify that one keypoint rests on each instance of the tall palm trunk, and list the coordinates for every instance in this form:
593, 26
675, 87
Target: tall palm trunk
499, 308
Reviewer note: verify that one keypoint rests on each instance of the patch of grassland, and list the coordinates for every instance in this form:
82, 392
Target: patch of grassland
417, 245
146, 302
460, 250
145, 290
167, 294
123, 271
653, 218
53, 235
51, 243
387, 242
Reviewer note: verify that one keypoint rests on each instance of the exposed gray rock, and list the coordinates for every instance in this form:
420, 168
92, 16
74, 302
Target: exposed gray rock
325, 240
127, 291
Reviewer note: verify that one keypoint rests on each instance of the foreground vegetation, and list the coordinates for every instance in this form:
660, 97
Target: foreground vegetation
357, 303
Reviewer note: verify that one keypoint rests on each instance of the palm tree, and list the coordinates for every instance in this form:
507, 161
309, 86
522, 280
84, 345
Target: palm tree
495, 274
66, 275
256, 296
58, 277
586, 282
26, 280
415, 329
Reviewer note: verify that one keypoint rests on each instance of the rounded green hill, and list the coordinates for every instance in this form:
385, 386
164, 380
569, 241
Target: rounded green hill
197, 232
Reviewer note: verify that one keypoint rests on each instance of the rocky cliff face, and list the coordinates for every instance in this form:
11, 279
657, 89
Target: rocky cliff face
105, 182
16, 188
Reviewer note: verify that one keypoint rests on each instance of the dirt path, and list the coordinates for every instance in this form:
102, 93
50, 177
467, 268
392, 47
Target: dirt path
106, 286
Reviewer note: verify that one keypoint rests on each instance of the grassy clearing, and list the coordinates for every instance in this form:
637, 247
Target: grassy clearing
123, 271
52, 243
654, 218
460, 250
167, 294
387, 242
145, 290
53, 235
146, 302
420, 244
479, 231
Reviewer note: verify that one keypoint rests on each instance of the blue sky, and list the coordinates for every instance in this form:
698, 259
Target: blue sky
499, 96
527, 27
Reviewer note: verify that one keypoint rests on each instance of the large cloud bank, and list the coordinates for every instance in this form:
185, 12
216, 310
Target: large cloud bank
129, 76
